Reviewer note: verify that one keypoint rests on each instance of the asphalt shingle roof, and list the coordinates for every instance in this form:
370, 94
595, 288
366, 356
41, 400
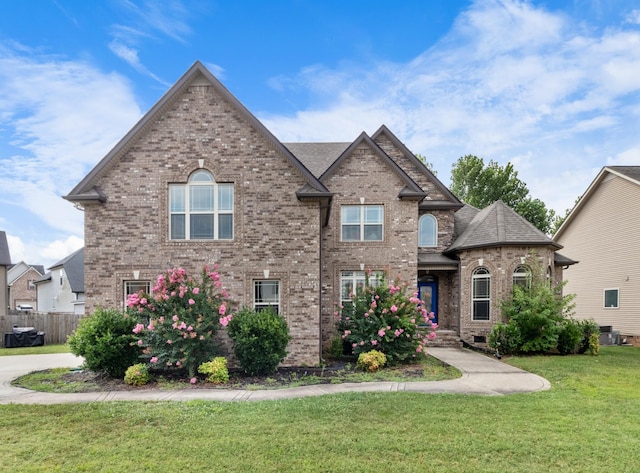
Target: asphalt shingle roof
499, 225
74, 268
317, 157
5, 256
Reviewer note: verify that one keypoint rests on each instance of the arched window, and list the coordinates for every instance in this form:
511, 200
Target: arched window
522, 276
428, 231
201, 209
481, 294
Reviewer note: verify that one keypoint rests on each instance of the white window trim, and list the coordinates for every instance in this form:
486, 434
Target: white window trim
215, 212
138, 282
263, 305
362, 222
604, 297
475, 276
435, 231
355, 277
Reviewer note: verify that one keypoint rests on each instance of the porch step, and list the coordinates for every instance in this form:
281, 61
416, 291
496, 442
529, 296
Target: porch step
446, 338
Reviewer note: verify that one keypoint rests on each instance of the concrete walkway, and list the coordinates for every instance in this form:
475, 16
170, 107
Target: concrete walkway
481, 374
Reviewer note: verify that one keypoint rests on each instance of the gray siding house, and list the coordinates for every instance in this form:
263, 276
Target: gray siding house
292, 225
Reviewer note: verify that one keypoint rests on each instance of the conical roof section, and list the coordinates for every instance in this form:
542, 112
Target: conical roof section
500, 225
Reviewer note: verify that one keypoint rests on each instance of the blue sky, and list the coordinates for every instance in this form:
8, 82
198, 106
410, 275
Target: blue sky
551, 86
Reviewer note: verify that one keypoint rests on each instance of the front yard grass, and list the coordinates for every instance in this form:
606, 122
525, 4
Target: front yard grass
588, 422
41, 350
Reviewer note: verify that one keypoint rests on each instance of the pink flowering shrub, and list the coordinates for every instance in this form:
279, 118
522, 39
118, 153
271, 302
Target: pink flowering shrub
178, 320
385, 319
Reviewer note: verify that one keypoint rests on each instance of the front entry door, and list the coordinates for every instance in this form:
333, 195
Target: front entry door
428, 294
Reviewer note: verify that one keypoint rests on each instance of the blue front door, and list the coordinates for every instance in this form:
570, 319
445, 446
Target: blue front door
428, 294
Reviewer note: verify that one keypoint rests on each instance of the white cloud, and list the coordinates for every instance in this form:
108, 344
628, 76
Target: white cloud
40, 252
510, 81
58, 118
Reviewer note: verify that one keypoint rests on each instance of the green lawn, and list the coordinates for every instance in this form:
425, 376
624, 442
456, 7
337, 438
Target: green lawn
41, 350
588, 421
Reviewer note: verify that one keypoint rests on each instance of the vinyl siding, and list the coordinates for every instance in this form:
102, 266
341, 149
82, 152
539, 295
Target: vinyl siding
605, 238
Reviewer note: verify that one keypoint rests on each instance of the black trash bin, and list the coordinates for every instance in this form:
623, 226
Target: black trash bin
23, 337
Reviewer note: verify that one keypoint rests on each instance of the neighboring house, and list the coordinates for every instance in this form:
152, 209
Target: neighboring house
61, 290
199, 180
21, 279
5, 262
603, 233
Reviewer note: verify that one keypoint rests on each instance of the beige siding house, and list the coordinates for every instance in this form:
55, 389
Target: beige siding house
292, 225
603, 233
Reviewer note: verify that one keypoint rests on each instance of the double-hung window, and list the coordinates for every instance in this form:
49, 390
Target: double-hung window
201, 209
135, 287
362, 222
353, 281
481, 294
266, 294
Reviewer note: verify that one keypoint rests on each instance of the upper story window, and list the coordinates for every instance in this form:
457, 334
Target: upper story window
362, 222
481, 294
202, 209
428, 231
522, 276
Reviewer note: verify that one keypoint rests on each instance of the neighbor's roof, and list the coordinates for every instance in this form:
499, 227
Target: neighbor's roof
629, 173
5, 256
500, 225
74, 268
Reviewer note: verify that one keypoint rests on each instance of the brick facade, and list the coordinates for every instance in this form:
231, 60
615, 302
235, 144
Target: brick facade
287, 222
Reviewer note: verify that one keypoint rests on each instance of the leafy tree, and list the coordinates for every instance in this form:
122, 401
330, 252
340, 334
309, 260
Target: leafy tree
479, 184
427, 164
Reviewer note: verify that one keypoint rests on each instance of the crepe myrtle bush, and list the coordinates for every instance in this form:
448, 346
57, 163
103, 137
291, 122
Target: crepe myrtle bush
177, 321
381, 316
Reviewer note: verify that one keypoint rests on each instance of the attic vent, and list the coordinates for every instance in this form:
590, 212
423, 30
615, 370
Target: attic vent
479, 339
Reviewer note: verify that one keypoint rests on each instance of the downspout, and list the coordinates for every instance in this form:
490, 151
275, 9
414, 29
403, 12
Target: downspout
320, 208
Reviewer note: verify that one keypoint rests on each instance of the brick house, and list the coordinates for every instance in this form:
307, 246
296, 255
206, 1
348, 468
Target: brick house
21, 279
199, 180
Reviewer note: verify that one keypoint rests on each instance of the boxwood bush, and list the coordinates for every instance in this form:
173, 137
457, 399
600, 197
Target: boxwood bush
260, 340
106, 341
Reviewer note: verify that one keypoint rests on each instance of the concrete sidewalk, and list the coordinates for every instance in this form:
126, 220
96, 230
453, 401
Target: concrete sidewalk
481, 374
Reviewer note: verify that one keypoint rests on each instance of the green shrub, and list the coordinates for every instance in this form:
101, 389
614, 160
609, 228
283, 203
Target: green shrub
259, 340
137, 375
216, 370
372, 360
570, 337
589, 343
505, 338
336, 349
106, 342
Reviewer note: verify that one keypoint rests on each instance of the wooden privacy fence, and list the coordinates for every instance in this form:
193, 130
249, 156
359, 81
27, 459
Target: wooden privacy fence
56, 326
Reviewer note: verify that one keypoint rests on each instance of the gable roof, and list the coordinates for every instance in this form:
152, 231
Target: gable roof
73, 266
451, 200
85, 191
628, 173
16, 271
411, 190
5, 256
500, 225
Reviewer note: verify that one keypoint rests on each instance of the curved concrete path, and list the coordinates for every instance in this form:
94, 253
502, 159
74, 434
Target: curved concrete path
480, 375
